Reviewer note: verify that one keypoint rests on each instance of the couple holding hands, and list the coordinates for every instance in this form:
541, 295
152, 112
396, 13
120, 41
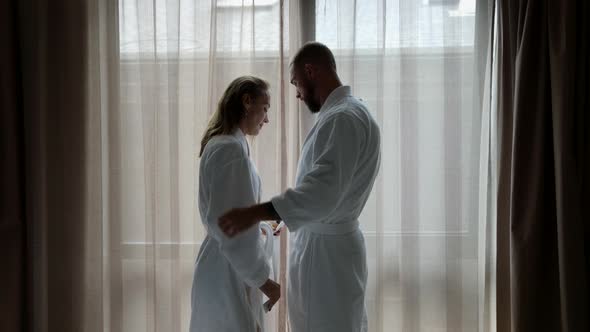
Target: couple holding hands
327, 270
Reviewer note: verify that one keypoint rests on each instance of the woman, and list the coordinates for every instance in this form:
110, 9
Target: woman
230, 272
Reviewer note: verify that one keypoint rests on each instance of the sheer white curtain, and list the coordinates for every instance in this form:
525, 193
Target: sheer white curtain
414, 64
175, 60
164, 65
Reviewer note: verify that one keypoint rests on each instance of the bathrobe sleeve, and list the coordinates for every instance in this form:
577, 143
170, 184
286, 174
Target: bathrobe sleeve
335, 154
232, 187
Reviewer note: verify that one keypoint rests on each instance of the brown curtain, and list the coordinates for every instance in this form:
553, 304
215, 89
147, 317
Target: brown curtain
543, 105
43, 165
12, 212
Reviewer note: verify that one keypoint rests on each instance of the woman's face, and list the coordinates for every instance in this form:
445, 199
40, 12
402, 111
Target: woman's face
256, 114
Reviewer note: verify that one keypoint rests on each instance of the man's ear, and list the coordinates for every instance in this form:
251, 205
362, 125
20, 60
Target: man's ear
309, 71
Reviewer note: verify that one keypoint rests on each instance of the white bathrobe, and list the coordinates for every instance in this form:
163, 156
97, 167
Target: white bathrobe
228, 272
327, 262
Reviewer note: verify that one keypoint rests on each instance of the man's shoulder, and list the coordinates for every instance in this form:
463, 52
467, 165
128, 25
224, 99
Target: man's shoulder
352, 114
350, 108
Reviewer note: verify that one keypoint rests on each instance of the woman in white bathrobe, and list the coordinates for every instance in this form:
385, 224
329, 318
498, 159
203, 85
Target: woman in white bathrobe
231, 274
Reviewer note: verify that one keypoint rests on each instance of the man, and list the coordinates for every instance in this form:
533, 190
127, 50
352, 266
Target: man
338, 165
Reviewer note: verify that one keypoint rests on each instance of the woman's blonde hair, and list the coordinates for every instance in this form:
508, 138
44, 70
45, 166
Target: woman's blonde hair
230, 109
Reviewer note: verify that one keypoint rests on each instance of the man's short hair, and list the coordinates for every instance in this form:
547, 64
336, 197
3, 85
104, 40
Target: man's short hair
314, 53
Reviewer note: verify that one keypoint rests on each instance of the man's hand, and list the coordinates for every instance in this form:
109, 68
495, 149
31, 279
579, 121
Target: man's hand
236, 221
273, 291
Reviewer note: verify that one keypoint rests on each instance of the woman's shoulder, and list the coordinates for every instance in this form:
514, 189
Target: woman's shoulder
223, 149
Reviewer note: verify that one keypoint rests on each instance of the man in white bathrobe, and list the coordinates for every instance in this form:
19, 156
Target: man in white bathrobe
339, 162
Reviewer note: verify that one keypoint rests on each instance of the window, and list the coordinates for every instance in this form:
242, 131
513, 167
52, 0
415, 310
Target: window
412, 63
183, 29
408, 24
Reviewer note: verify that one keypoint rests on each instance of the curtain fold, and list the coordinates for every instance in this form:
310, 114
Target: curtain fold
543, 101
484, 97
13, 226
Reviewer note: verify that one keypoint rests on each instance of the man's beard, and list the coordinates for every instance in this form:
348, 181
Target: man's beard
312, 105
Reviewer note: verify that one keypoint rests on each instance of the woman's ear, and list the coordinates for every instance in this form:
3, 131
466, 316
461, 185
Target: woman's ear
246, 101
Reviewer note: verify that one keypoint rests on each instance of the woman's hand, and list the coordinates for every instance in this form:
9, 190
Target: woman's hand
273, 291
275, 226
